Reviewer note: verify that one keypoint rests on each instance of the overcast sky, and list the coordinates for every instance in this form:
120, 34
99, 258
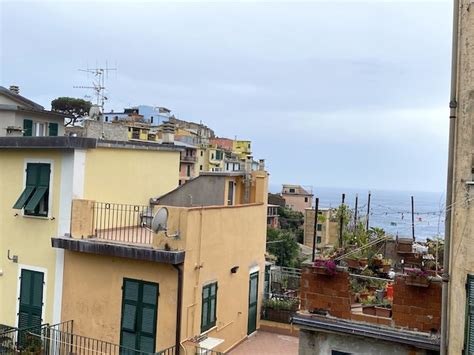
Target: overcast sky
343, 94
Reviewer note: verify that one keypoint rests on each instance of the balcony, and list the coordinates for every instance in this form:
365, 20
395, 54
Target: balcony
188, 159
118, 230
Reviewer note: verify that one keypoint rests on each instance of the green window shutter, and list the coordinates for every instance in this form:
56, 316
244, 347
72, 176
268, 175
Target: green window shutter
139, 315
31, 299
42, 186
53, 129
319, 227
469, 326
209, 303
32, 176
27, 128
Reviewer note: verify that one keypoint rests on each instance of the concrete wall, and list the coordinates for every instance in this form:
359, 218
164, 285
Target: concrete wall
462, 248
320, 343
93, 295
129, 176
99, 129
203, 191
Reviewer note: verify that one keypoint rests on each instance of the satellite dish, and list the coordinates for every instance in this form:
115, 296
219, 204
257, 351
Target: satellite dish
160, 220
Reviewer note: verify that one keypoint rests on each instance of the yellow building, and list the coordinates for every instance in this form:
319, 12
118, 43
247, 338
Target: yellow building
242, 148
39, 177
195, 282
327, 230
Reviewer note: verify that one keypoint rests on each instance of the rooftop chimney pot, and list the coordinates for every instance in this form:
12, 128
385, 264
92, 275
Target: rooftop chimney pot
15, 89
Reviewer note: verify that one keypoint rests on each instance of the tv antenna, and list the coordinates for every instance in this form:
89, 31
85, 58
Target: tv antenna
98, 83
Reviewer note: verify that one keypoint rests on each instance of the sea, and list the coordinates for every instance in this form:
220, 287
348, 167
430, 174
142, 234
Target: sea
391, 210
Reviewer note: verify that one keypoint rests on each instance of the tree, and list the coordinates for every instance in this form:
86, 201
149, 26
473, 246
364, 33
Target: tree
74, 108
283, 246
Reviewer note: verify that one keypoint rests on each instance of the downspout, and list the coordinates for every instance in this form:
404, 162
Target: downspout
450, 181
179, 305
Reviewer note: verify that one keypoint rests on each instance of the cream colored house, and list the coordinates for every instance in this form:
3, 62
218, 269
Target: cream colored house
326, 231
197, 284
39, 178
297, 197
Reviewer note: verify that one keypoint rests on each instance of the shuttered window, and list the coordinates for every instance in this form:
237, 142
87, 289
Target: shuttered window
31, 299
139, 314
469, 328
35, 196
27, 128
208, 310
53, 129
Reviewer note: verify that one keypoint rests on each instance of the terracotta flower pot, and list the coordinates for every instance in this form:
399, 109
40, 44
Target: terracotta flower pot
353, 263
377, 262
363, 262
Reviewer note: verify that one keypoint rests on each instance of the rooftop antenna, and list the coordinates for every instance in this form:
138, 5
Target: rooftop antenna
98, 83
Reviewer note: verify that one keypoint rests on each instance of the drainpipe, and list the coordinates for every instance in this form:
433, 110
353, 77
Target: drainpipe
179, 306
449, 188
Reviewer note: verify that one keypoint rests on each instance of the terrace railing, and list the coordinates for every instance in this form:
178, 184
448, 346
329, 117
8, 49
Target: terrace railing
285, 280
122, 223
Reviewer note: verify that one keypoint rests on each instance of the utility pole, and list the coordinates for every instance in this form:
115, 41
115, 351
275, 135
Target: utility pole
413, 218
355, 210
316, 212
368, 212
341, 222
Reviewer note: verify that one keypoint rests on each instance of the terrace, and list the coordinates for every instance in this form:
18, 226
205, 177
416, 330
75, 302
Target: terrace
119, 230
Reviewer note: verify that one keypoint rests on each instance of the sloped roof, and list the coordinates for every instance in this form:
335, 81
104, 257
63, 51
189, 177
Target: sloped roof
20, 99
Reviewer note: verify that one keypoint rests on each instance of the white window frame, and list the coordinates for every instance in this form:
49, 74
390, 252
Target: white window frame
50, 191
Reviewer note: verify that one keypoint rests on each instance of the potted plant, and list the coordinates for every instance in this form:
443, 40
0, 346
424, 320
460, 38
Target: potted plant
280, 310
364, 295
352, 262
417, 277
363, 262
386, 265
324, 267
377, 261
33, 345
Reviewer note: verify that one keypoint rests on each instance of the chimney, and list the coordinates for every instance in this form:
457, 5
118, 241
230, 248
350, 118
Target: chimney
248, 164
15, 89
168, 132
261, 164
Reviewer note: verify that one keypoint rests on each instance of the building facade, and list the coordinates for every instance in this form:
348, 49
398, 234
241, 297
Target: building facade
296, 197
327, 230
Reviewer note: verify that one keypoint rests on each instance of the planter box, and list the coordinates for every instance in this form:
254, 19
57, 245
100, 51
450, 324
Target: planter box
418, 281
277, 315
321, 270
413, 259
369, 310
406, 247
353, 263
383, 312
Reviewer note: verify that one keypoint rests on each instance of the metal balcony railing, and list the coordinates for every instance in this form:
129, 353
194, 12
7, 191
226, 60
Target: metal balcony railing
122, 223
190, 159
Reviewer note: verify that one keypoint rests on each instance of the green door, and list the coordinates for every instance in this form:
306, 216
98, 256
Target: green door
253, 302
31, 299
139, 314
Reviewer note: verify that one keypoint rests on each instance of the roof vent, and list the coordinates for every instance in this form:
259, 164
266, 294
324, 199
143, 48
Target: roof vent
15, 89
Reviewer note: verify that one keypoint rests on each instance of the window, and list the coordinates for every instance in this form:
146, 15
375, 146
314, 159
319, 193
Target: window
208, 310
188, 170
318, 239
151, 119
337, 352
35, 197
39, 129
230, 194
106, 118
53, 129
305, 199
212, 155
292, 191
319, 227
31, 299
200, 167
469, 326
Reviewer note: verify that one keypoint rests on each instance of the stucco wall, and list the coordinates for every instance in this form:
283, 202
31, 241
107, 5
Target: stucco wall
218, 239
462, 248
203, 191
93, 295
297, 202
27, 237
129, 176
329, 230
323, 343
